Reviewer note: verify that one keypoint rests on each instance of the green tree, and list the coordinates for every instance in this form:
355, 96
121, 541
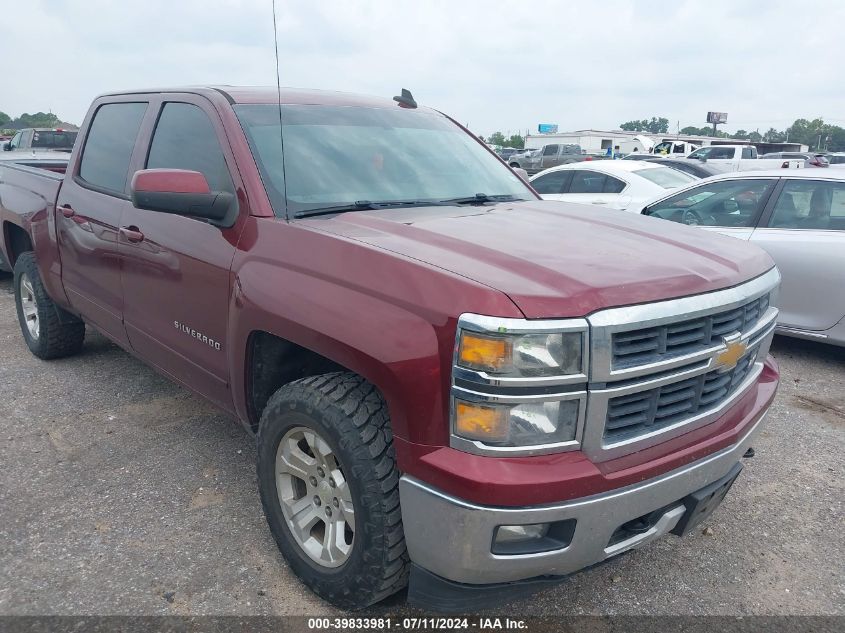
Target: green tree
655, 125
740, 134
773, 136
39, 119
516, 141
496, 138
4, 118
755, 137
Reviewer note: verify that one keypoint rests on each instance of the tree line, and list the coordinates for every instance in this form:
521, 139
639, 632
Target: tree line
38, 119
814, 133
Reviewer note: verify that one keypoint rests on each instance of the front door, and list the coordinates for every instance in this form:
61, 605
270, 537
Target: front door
88, 214
176, 270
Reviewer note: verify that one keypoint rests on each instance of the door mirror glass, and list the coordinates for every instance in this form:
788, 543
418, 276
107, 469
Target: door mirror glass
7, 147
180, 192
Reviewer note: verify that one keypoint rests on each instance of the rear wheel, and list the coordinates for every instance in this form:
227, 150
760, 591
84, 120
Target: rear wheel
330, 488
49, 331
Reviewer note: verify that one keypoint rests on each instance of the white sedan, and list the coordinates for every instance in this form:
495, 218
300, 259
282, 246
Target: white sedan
618, 184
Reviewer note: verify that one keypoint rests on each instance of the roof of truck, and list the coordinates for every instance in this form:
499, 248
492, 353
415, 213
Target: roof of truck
270, 94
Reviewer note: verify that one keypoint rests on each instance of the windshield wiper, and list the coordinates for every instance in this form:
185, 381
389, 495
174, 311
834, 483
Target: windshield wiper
482, 198
364, 205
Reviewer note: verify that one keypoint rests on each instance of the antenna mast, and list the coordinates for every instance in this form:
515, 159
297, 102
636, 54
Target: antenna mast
279, 100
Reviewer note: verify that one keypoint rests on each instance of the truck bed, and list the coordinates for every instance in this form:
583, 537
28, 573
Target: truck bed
24, 191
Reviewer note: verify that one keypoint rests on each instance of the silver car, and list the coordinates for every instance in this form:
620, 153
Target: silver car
798, 216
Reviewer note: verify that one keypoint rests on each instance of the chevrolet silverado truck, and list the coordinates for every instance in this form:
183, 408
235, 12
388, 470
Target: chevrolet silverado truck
453, 385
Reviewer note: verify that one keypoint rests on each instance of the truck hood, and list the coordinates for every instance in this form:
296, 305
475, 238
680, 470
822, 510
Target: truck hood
556, 259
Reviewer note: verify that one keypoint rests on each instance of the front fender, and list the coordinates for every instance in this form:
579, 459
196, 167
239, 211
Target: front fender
390, 319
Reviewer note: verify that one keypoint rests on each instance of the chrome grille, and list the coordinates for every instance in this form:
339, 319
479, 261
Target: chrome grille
655, 409
650, 345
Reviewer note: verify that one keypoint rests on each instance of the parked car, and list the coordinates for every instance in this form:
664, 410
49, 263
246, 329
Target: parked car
42, 139
522, 158
397, 330
810, 159
741, 158
836, 159
610, 183
549, 156
507, 152
798, 216
693, 168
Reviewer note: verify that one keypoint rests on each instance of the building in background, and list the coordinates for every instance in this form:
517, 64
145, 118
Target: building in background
598, 141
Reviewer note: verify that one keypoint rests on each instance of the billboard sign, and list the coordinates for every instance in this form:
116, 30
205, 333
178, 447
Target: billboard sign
717, 117
547, 128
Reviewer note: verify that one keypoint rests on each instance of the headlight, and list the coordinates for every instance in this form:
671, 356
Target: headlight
519, 386
522, 355
528, 424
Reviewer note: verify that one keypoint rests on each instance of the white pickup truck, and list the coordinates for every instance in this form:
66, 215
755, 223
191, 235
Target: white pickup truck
740, 158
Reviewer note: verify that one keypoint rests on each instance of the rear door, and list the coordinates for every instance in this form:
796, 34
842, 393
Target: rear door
549, 156
726, 157
90, 204
593, 187
553, 185
804, 232
176, 279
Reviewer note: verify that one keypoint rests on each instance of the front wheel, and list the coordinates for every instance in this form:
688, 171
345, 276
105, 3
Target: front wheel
330, 488
49, 331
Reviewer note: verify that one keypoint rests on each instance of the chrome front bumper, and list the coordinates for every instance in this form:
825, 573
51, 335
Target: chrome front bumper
453, 538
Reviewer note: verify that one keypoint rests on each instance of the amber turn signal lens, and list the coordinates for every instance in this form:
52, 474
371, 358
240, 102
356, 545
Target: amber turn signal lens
484, 352
478, 422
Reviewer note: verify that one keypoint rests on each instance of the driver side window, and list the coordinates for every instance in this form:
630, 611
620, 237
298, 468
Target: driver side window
724, 203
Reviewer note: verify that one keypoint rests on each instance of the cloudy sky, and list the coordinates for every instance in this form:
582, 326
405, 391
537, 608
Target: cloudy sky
496, 65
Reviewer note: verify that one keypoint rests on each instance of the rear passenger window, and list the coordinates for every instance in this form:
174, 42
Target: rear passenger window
810, 204
184, 138
109, 145
613, 185
551, 183
587, 182
746, 152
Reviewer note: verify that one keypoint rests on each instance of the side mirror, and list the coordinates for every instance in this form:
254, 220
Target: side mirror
519, 171
7, 147
181, 192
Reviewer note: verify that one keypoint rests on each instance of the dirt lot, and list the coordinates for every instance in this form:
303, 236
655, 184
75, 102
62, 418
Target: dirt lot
121, 493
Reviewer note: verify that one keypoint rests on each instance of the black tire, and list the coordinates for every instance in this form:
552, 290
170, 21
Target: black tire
351, 415
59, 333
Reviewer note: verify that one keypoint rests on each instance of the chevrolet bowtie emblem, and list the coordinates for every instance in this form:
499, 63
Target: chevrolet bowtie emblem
734, 350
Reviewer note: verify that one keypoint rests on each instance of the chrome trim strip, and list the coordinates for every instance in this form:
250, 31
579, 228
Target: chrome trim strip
430, 516
502, 325
605, 323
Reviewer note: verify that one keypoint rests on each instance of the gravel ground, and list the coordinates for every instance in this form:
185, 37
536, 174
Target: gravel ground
121, 493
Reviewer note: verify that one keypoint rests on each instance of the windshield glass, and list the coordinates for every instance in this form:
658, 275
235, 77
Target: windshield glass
665, 177
340, 155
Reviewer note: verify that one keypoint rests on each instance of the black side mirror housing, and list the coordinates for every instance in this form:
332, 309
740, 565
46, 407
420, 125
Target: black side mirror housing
182, 192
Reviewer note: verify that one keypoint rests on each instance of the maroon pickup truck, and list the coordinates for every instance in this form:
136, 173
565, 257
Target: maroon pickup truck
453, 384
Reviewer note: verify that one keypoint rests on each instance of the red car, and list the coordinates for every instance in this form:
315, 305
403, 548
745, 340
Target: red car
451, 382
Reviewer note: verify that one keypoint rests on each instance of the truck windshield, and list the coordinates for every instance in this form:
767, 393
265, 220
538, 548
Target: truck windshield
339, 156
